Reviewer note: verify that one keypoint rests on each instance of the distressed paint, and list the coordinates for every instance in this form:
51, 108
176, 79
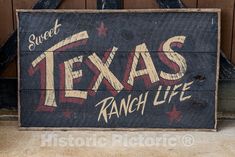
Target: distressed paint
120, 69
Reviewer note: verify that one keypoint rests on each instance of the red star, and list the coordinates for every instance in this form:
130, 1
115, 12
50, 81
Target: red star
102, 30
67, 113
174, 115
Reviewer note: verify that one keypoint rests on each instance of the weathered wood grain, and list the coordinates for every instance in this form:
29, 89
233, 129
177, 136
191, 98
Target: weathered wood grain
138, 4
91, 4
226, 21
73, 4
170, 4
21, 4
233, 39
109, 4
190, 3
6, 27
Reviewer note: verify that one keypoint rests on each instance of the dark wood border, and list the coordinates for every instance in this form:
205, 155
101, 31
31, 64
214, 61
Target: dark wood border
218, 65
215, 10
18, 68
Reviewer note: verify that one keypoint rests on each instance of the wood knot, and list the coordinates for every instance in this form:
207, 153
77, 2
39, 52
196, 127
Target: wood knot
200, 78
199, 104
127, 35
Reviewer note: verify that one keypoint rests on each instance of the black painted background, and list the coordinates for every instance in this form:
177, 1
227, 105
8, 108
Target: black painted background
125, 31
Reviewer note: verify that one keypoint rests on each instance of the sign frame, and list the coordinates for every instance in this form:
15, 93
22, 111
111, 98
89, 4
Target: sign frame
218, 11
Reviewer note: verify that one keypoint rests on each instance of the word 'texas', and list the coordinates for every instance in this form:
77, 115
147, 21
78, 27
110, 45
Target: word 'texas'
45, 61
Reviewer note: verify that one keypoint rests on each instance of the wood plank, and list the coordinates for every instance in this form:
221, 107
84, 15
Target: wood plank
6, 27
8, 94
91, 4
226, 21
149, 64
16, 4
97, 4
233, 39
21, 4
195, 112
140, 4
152, 4
227, 70
73, 4
226, 96
190, 3
11, 70
109, 4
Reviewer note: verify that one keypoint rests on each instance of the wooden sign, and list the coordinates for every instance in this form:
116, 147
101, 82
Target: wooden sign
134, 69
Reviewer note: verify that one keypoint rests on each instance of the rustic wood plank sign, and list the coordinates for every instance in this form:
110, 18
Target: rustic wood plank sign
134, 69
